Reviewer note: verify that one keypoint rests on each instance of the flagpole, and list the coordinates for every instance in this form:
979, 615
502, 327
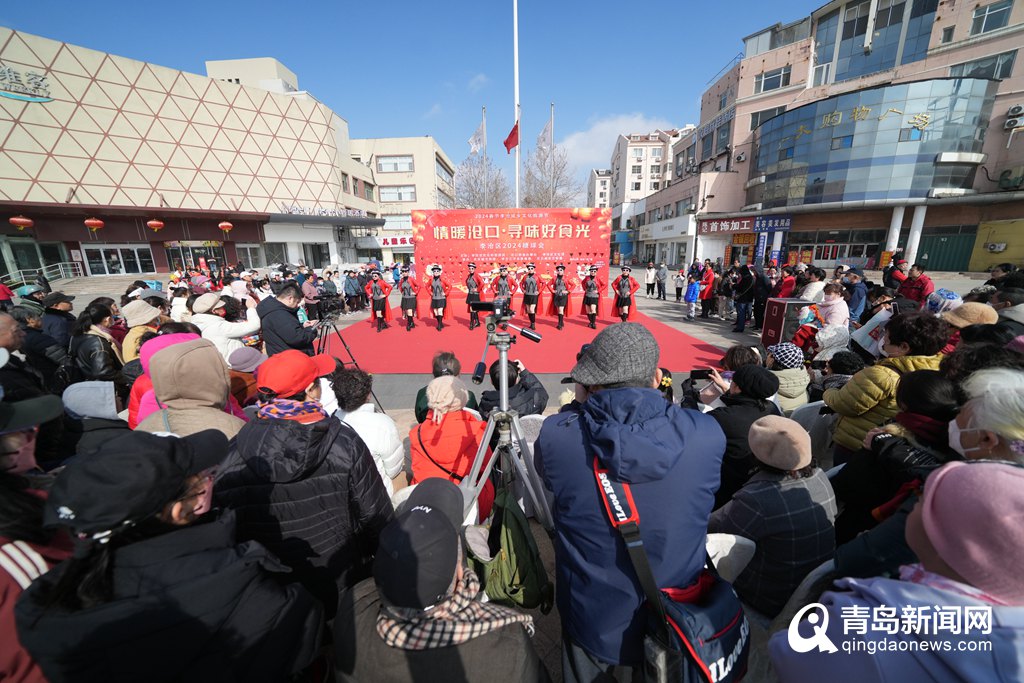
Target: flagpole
487, 180
515, 82
551, 154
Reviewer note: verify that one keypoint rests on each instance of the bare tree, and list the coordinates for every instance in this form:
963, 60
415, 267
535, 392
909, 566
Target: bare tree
479, 184
548, 181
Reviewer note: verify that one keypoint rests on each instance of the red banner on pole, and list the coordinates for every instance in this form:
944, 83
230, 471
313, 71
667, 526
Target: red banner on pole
515, 237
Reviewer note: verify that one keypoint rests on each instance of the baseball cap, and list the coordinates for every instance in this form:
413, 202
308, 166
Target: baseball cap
16, 416
417, 556
438, 493
290, 372
54, 298
855, 271
128, 479
207, 303
624, 354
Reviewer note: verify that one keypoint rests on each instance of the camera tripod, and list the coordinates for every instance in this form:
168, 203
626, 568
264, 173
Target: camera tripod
324, 326
511, 450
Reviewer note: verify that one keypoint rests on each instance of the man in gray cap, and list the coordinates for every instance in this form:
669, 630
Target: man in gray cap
671, 458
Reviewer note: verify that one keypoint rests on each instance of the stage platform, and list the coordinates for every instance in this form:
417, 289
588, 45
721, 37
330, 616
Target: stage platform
397, 351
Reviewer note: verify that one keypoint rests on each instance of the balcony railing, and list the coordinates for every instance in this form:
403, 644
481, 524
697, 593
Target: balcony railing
54, 271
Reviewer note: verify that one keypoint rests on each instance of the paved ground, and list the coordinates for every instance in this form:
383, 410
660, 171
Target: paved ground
397, 394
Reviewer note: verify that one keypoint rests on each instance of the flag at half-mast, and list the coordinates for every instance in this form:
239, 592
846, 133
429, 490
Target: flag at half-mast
478, 142
512, 140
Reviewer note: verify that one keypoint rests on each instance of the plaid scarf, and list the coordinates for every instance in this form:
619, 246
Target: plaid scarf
306, 412
455, 620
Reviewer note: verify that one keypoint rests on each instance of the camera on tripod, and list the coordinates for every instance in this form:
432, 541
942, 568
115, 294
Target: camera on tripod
499, 312
329, 305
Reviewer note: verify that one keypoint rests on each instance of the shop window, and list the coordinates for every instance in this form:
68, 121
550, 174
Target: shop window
277, 252
910, 134
844, 142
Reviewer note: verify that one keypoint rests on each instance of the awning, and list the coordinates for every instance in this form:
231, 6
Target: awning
348, 221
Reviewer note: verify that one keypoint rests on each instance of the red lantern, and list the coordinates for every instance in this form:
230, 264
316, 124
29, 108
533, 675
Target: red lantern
20, 222
94, 224
156, 225
225, 226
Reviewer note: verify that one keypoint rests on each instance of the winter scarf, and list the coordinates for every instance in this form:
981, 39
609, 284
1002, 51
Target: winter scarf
915, 573
305, 412
456, 620
929, 430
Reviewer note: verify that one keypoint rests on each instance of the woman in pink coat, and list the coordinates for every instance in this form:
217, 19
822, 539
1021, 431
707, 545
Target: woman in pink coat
833, 307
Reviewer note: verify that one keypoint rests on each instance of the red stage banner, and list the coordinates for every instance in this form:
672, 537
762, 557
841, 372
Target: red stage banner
515, 237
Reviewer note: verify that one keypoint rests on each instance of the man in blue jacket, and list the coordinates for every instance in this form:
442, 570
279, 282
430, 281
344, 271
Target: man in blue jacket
671, 457
854, 283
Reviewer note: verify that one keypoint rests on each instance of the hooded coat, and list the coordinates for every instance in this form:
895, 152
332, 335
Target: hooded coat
192, 383
868, 400
91, 415
671, 458
792, 388
227, 336
310, 493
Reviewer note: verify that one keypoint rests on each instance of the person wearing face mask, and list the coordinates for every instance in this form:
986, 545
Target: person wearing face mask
302, 483
833, 308
991, 423
966, 538
27, 550
912, 341
1009, 303
157, 587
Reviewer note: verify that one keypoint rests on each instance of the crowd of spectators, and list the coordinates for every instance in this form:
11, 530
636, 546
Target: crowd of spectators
189, 490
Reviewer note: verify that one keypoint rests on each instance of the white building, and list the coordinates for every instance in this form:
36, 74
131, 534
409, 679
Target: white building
411, 173
599, 188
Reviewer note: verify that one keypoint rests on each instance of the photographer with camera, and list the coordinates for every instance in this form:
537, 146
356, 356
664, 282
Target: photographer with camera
526, 395
281, 327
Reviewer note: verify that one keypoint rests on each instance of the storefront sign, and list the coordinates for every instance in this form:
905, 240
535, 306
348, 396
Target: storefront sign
744, 240
192, 243
333, 212
772, 223
762, 242
27, 86
515, 237
712, 227
397, 241
776, 256
711, 126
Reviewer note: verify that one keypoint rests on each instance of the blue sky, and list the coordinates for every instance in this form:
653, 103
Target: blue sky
404, 68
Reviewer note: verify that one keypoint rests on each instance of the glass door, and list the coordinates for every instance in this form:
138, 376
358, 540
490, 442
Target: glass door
94, 259
146, 264
130, 261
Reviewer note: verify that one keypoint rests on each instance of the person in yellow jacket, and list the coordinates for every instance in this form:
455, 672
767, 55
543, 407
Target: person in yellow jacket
912, 342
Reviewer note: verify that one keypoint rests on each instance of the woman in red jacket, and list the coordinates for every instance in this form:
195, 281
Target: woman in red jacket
707, 288
445, 445
377, 292
623, 289
784, 289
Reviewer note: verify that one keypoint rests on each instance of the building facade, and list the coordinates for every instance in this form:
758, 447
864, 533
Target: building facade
411, 173
865, 128
599, 188
175, 168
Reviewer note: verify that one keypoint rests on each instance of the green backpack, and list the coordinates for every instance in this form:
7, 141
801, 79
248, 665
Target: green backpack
515, 574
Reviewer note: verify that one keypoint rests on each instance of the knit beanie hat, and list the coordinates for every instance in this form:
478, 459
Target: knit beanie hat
787, 355
755, 381
623, 354
971, 313
139, 313
780, 442
446, 394
973, 514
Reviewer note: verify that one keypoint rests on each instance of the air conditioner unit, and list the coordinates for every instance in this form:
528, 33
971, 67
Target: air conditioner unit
1013, 123
996, 247
1015, 111
742, 156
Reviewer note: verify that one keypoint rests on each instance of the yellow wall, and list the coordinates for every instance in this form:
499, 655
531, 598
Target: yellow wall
1010, 232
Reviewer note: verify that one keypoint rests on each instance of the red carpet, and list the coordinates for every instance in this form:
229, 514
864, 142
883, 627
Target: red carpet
397, 351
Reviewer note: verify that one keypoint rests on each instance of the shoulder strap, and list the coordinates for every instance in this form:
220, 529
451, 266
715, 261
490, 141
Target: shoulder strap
618, 505
441, 467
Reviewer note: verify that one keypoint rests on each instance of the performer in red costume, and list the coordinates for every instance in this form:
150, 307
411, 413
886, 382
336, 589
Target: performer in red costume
438, 288
504, 287
623, 289
409, 289
592, 287
530, 287
377, 292
474, 289
560, 289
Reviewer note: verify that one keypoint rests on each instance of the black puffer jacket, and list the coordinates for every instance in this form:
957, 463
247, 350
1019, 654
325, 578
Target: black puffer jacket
738, 463
96, 360
43, 353
189, 605
282, 329
527, 397
311, 493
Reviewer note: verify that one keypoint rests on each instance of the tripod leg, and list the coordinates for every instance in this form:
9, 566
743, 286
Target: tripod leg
527, 472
